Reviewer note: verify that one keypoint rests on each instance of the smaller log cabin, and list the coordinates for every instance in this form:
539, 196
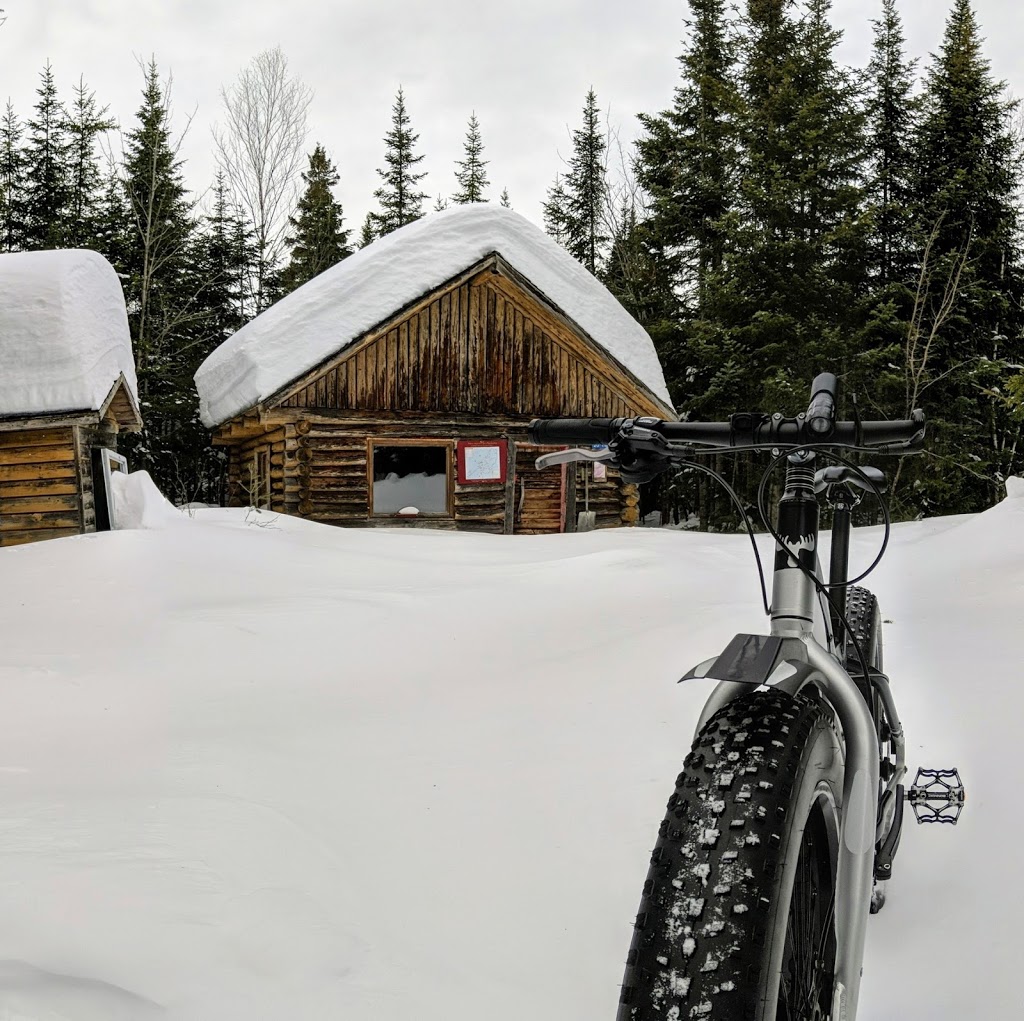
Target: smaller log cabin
395, 388
67, 389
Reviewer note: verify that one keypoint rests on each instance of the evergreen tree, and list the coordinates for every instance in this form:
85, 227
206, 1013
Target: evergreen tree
472, 170
368, 232
163, 281
228, 252
795, 280
968, 173
47, 170
587, 188
556, 212
687, 158
506, 202
84, 127
440, 204
891, 116
400, 199
319, 238
12, 183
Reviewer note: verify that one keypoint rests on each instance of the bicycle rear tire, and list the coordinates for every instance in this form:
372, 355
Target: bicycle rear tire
742, 879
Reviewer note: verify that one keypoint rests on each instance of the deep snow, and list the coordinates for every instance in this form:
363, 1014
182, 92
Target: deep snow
332, 310
64, 339
256, 768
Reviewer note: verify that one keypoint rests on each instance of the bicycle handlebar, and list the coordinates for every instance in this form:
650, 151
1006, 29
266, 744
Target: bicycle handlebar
744, 430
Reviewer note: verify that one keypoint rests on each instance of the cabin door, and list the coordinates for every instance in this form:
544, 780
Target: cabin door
539, 497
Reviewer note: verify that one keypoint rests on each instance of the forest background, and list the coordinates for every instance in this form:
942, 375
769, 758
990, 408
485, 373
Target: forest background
783, 214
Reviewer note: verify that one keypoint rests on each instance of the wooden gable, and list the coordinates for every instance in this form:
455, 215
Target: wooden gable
484, 344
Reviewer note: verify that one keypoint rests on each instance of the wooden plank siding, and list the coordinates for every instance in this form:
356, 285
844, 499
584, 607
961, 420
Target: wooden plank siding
41, 492
484, 347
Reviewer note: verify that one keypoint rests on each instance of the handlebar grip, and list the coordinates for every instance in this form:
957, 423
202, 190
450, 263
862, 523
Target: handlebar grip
553, 431
908, 431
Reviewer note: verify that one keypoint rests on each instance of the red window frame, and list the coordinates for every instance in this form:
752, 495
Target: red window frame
464, 445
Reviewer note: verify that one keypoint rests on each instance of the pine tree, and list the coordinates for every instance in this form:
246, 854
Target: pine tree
472, 170
506, 202
891, 116
556, 212
792, 294
163, 278
227, 252
319, 238
368, 232
12, 183
968, 174
84, 127
587, 188
400, 200
47, 170
687, 158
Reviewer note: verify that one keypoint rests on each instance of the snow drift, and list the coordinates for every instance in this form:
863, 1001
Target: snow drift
291, 771
64, 340
328, 313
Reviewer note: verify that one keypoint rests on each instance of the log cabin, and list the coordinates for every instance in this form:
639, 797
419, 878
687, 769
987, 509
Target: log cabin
395, 388
67, 389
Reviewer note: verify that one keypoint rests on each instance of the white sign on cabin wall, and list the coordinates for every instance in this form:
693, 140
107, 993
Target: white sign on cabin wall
482, 461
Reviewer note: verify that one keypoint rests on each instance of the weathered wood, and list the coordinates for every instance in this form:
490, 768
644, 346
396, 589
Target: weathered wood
24, 522
21, 472
38, 504
38, 487
35, 438
19, 538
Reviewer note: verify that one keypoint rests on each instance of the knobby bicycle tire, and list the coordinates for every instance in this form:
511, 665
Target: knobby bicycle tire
737, 915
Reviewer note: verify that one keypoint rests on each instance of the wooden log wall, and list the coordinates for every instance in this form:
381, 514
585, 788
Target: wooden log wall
484, 347
41, 494
279, 451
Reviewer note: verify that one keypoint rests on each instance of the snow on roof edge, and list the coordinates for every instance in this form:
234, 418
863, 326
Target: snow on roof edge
329, 313
64, 337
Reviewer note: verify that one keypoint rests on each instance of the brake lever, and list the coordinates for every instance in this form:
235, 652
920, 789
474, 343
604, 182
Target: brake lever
574, 454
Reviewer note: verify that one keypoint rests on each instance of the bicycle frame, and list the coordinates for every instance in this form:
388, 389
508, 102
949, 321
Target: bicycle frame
801, 652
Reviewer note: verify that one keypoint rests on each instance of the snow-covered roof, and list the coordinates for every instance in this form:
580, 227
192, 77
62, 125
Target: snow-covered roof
64, 340
343, 303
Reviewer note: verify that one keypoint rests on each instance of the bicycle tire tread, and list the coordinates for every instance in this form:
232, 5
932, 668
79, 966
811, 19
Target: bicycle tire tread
702, 931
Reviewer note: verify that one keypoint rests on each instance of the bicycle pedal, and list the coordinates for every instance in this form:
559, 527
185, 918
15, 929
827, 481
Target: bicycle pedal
937, 795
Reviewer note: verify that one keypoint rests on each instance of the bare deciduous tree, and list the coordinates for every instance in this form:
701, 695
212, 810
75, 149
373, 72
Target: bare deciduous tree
261, 150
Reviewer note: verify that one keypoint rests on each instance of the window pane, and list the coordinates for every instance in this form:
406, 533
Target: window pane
410, 477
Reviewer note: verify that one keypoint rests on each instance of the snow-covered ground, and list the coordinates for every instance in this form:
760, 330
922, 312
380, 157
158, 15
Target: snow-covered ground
255, 768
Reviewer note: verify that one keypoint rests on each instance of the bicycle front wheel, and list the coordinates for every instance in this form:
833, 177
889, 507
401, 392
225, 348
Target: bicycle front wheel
737, 918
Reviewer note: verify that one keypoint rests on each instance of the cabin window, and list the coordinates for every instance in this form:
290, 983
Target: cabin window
411, 479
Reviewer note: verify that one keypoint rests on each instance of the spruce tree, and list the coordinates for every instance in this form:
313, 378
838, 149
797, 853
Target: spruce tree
368, 232
506, 202
891, 121
47, 169
163, 276
85, 125
472, 170
318, 239
968, 175
400, 199
12, 183
556, 212
687, 158
791, 296
587, 188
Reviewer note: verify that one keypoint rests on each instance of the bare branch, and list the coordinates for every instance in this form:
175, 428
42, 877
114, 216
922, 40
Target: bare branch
260, 148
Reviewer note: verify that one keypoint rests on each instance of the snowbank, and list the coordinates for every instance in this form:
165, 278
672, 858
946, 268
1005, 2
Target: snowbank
327, 314
1015, 488
300, 772
64, 339
139, 504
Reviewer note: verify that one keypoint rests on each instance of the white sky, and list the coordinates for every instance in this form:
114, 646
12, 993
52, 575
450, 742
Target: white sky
523, 66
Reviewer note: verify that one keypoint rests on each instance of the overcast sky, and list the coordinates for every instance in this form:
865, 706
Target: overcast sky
523, 66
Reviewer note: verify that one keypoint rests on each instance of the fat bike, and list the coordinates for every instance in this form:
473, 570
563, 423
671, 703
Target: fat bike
785, 820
